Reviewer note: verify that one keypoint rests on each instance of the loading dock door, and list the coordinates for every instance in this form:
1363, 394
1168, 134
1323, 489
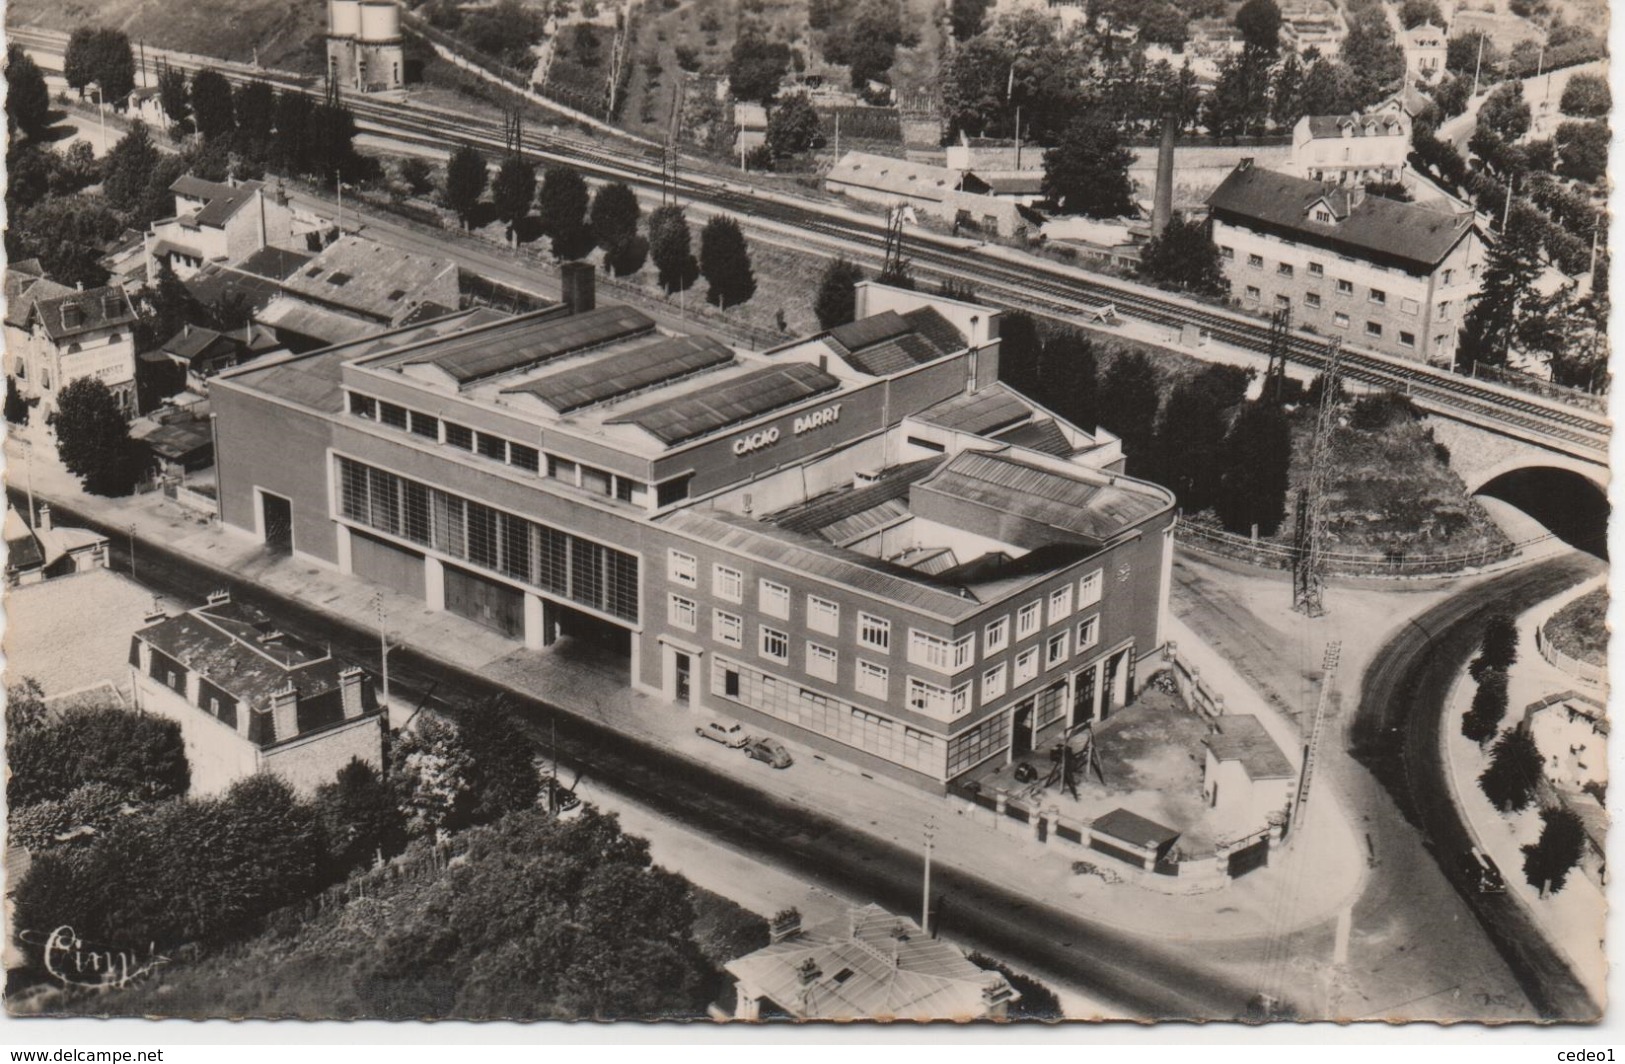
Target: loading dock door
497, 606
276, 515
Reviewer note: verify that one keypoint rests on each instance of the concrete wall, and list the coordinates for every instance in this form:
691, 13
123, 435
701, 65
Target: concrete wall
217, 754
312, 760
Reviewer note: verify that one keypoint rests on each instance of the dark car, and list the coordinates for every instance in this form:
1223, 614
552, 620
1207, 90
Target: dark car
769, 750
1481, 873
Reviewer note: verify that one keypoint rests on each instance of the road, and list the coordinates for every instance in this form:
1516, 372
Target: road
1142, 978
1396, 734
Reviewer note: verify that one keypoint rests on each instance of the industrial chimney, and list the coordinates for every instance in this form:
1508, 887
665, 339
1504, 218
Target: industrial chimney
1162, 204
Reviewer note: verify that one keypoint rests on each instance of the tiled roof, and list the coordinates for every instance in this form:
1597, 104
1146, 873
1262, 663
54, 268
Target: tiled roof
179, 439
888, 342
1043, 435
1242, 738
318, 323
1329, 127
277, 263
22, 549
1374, 225
1134, 828
221, 201
76, 313
886, 174
216, 283
870, 964
24, 289
373, 279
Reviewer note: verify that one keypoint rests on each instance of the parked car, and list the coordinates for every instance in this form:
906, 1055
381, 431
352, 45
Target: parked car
1481, 873
558, 799
729, 733
770, 750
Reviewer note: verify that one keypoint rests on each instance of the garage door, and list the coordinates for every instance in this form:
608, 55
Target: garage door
494, 605
384, 563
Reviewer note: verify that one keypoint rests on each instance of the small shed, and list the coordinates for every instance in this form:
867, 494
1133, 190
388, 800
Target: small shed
1131, 837
1246, 777
181, 447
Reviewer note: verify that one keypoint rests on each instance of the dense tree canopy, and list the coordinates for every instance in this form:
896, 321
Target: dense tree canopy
1514, 771
1587, 96
562, 203
1184, 258
139, 755
93, 438
1128, 402
1504, 112
756, 67
615, 213
1260, 24
465, 182
671, 248
1548, 860
1258, 459
214, 112
1511, 268
513, 190
836, 300
1582, 150
793, 126
28, 102
725, 262
1087, 171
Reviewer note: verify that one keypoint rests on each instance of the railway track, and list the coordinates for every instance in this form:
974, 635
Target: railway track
1034, 285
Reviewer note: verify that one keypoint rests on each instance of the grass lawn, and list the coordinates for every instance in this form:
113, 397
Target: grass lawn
1580, 629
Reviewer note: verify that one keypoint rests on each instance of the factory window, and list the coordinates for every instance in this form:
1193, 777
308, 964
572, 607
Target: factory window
964, 651
727, 628
1227, 253
996, 636
1311, 299
1026, 666
1088, 634
1282, 302
1089, 589
1055, 652
1373, 329
928, 698
360, 405
975, 745
928, 650
823, 615
682, 613
775, 600
681, 568
1253, 293
960, 699
822, 662
1027, 620
460, 436
594, 480
874, 632
1444, 310
1060, 603
994, 682
727, 583
929, 445
392, 415
1407, 338
557, 468
872, 679
1340, 320
1345, 288
672, 491
425, 425
527, 458
1449, 276
774, 645
494, 447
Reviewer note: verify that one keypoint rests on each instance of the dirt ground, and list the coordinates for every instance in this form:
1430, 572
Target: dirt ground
1580, 629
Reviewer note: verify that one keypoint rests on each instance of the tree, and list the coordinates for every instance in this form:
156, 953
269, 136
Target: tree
213, 109
174, 96
359, 818
1450, 95
1257, 460
1190, 437
1548, 861
67, 234
330, 134
1373, 56
1260, 24
254, 104
28, 102
1582, 150
1329, 88
16, 410
128, 168
1514, 771
756, 68
502, 776
94, 439
725, 262
1473, 56
1587, 96
836, 301
1504, 112
562, 203
1511, 268
290, 148
87, 812
1500, 644
793, 126
1067, 376
967, 17
1286, 92
1129, 400
670, 248
1489, 706
114, 65
1184, 258
1239, 104
431, 770
139, 755
1414, 13
79, 59
512, 192
1021, 353
164, 308
465, 182
25, 706
1087, 172
615, 213
545, 919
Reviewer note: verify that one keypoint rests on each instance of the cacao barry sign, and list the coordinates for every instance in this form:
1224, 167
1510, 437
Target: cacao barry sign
767, 437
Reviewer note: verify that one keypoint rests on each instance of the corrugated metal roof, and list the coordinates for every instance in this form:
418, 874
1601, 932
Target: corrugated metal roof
894, 355
979, 413
532, 341
929, 323
665, 360
865, 522
1074, 504
688, 417
374, 279
886, 174
814, 557
318, 323
865, 332
824, 511
1043, 435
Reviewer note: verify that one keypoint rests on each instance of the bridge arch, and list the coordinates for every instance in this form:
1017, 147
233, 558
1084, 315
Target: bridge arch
1478, 478
1569, 498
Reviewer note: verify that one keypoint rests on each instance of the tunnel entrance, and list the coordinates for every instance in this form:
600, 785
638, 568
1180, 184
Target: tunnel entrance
1571, 506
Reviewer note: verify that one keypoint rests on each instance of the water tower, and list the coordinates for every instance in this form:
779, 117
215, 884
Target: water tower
343, 30
364, 49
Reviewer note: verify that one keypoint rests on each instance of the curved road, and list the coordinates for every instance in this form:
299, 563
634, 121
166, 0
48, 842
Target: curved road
1396, 734
1147, 979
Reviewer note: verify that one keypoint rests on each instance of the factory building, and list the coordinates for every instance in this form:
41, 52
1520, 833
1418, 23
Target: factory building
859, 540
365, 51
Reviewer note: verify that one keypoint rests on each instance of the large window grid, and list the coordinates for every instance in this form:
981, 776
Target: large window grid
972, 747
567, 566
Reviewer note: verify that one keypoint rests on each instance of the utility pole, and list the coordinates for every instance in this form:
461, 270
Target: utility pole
1478, 66
925, 898
1018, 136
1308, 538
383, 647
1275, 373
132, 551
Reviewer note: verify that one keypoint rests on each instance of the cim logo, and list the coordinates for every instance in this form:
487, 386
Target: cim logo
805, 423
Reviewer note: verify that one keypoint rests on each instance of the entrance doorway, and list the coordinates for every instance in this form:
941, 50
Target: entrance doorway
497, 606
684, 667
1083, 700
1021, 735
276, 517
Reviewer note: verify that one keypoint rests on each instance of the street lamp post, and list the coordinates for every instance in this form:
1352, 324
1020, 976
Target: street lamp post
383, 649
132, 551
101, 114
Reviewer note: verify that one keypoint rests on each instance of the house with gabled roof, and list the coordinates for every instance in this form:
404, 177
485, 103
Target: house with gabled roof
1392, 277
219, 222
57, 335
1351, 149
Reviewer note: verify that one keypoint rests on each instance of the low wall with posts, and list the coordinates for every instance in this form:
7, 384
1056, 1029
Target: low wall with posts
1587, 673
1396, 564
1197, 694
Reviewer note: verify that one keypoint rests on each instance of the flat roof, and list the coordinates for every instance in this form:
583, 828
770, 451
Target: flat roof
1133, 828
734, 402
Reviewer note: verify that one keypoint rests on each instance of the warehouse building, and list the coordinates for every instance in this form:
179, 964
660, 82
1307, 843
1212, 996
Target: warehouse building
1397, 278
859, 540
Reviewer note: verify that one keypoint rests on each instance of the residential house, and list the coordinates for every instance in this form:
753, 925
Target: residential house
1425, 49
58, 335
934, 190
48, 551
25, 283
1352, 149
866, 965
217, 222
250, 698
1397, 278
200, 352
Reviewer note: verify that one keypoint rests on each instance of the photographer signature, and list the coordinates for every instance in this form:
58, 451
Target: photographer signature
74, 962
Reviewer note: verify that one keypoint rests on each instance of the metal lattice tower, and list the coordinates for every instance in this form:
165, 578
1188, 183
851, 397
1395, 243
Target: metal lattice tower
896, 266
1308, 540
1280, 330
513, 132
